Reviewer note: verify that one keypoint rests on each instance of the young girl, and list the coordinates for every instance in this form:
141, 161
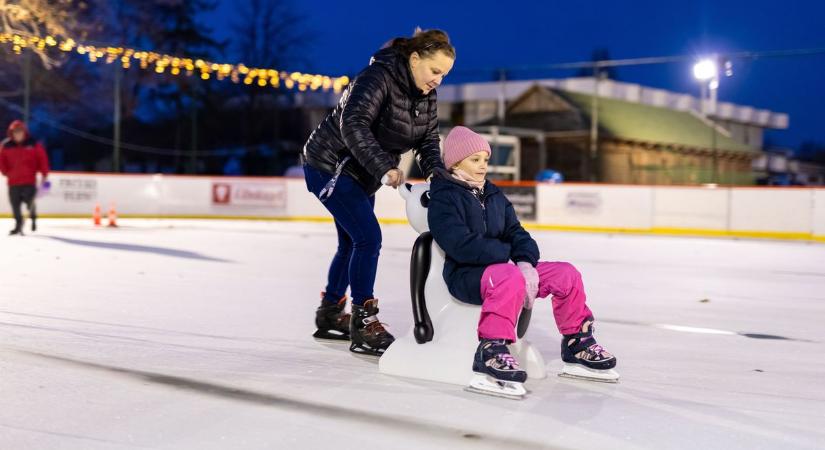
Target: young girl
477, 227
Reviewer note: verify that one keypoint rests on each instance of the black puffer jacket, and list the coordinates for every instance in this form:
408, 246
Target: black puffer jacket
381, 115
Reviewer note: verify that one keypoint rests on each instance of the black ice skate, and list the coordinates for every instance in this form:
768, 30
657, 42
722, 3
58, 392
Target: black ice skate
332, 321
496, 371
367, 334
585, 359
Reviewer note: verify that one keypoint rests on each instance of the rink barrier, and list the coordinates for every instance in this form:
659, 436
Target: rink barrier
690, 232
796, 213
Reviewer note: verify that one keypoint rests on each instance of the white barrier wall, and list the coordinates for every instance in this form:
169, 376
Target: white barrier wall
797, 213
690, 207
818, 216
583, 205
785, 210
77, 194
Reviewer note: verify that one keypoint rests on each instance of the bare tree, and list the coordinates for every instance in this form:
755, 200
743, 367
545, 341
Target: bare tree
40, 18
267, 33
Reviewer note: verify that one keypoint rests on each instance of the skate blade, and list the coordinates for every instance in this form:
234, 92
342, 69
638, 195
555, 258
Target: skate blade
483, 384
366, 351
329, 336
579, 372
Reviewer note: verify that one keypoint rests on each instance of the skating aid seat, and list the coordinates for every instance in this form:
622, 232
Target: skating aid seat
443, 339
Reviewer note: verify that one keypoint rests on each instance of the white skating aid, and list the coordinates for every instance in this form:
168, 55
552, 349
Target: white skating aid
445, 353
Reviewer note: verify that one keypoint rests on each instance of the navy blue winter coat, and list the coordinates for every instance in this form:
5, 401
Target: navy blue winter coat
475, 230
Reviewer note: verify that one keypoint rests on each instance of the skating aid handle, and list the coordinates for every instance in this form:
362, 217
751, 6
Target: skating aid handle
523, 322
419, 269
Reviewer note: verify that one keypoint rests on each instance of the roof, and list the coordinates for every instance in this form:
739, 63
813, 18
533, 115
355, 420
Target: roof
640, 122
611, 89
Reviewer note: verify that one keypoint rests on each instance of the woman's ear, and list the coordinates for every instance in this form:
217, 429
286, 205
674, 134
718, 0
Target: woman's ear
415, 58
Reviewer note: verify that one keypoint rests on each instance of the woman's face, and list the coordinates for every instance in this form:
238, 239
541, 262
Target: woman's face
475, 165
430, 71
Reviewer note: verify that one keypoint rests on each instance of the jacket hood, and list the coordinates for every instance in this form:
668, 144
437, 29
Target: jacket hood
17, 124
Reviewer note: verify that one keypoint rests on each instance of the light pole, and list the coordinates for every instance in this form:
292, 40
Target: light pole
707, 72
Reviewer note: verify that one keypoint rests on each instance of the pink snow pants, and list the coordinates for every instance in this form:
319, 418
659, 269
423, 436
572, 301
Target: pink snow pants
503, 292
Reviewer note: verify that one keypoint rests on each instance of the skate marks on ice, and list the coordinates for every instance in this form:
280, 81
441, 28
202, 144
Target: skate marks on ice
112, 327
342, 346
70, 437
699, 330
163, 251
662, 404
359, 416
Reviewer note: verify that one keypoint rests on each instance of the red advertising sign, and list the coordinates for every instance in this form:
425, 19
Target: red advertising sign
272, 195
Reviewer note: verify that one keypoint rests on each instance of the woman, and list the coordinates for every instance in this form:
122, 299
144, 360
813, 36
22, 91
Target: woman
387, 110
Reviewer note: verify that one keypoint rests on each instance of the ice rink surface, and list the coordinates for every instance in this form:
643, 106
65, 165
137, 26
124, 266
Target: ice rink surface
197, 334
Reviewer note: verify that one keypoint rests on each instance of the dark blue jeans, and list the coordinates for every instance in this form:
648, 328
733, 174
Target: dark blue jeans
359, 236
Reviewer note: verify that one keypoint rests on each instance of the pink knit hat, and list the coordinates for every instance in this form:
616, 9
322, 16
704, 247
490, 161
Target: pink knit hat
461, 143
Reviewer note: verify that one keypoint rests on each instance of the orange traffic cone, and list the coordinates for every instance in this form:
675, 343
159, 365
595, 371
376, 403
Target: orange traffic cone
96, 215
112, 216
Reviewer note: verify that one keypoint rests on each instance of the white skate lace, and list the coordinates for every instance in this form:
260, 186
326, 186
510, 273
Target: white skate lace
597, 351
507, 360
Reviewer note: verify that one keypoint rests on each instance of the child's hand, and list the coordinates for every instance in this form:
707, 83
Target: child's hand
531, 281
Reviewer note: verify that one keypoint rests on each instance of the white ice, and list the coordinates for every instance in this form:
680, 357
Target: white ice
196, 334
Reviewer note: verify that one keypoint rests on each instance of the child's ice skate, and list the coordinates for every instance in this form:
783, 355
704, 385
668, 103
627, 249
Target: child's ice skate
585, 359
496, 371
332, 321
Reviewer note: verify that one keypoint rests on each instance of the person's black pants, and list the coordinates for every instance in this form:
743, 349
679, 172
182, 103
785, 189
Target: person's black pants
19, 195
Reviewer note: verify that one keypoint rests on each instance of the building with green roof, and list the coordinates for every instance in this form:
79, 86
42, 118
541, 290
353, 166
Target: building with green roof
644, 136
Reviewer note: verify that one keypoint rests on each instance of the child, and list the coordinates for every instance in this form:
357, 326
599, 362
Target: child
21, 158
477, 227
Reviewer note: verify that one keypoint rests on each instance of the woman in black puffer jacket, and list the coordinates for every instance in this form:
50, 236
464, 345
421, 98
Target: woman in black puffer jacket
387, 110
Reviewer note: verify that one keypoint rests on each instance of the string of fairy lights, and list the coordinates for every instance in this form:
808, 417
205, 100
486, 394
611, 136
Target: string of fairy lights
177, 66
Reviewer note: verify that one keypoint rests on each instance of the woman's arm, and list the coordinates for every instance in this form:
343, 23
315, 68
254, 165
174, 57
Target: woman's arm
361, 106
428, 151
452, 234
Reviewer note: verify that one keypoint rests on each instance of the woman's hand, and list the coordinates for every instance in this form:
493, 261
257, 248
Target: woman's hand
394, 178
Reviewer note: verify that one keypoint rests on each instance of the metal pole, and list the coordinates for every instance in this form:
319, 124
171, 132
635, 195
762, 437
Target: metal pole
594, 125
193, 156
502, 97
713, 86
116, 124
715, 153
27, 85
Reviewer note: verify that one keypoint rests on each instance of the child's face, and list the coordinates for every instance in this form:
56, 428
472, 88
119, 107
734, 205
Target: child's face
475, 165
18, 135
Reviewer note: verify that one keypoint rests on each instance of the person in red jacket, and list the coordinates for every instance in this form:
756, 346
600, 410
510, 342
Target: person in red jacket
21, 158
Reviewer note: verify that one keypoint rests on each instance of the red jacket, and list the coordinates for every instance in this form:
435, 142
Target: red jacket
21, 162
